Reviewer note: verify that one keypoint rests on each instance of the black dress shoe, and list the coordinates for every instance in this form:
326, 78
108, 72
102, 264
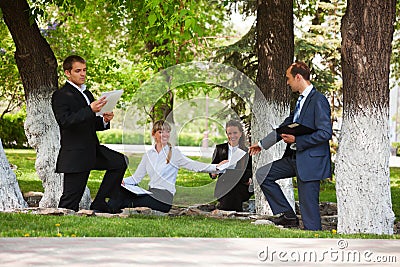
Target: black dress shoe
114, 206
99, 206
103, 207
287, 222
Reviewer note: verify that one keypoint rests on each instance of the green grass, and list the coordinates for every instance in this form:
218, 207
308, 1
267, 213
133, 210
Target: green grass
20, 225
191, 188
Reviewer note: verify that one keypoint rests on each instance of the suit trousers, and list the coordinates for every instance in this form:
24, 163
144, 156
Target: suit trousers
115, 165
308, 191
160, 200
233, 200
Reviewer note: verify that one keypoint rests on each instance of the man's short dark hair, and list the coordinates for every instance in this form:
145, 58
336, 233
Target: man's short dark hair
301, 68
67, 64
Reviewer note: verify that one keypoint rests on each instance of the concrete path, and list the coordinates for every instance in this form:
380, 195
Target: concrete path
197, 252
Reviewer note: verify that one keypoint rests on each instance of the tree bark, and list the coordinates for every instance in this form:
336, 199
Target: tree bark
362, 166
10, 194
37, 66
275, 41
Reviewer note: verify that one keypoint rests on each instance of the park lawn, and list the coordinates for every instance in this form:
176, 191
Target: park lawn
192, 188
29, 225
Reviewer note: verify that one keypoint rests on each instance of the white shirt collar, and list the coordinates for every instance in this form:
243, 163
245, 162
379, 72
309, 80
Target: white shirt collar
165, 148
307, 91
232, 147
81, 89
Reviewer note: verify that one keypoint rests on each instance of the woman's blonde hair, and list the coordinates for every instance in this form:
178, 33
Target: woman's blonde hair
162, 125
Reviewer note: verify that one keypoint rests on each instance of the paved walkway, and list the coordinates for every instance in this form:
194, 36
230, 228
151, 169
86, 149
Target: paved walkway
197, 252
186, 150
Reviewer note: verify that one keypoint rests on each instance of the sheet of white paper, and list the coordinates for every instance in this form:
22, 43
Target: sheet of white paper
236, 156
136, 189
112, 99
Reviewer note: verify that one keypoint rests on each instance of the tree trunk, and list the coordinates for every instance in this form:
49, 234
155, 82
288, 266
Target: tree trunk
10, 194
37, 66
362, 166
275, 41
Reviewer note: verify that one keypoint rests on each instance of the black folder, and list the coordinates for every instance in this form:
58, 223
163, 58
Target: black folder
294, 129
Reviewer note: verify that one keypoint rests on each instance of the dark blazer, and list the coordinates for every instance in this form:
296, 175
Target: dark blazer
232, 177
78, 126
313, 159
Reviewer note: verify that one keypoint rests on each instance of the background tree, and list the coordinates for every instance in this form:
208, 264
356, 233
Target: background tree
275, 43
37, 67
362, 169
10, 193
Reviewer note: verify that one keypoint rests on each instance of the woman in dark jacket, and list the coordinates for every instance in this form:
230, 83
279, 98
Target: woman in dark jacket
232, 187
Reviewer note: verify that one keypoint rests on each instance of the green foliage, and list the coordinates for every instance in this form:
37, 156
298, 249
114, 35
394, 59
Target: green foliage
12, 131
172, 32
395, 59
319, 46
124, 42
11, 91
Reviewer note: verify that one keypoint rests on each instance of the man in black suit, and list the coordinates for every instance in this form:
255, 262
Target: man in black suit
75, 110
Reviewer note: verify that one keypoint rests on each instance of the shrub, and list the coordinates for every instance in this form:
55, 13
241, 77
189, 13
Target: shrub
12, 131
396, 148
118, 136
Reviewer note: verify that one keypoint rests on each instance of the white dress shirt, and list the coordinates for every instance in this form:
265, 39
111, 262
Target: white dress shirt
163, 175
231, 150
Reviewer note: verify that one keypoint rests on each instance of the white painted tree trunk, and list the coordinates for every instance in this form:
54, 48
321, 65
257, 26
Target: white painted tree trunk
267, 116
362, 175
43, 135
10, 194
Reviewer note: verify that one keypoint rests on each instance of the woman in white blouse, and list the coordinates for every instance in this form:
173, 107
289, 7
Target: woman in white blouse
161, 163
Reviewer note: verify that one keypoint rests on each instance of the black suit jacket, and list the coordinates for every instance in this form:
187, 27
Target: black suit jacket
78, 125
243, 170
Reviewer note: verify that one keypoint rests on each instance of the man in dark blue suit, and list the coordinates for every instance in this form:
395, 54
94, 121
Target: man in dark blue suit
75, 110
306, 156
